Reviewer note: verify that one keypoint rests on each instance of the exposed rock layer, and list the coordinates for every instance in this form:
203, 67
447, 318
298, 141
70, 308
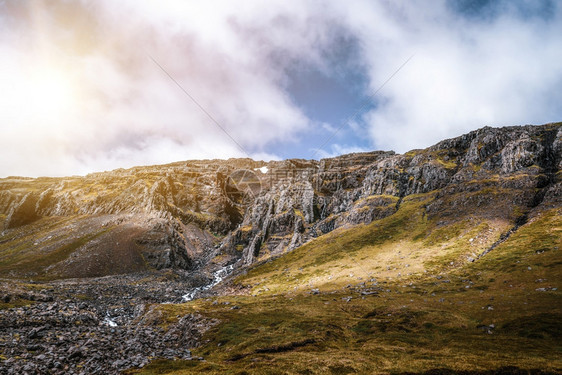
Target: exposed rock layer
184, 215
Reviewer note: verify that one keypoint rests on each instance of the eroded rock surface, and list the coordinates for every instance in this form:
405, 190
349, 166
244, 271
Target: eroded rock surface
184, 215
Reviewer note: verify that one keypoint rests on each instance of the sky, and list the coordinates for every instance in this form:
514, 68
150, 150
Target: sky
90, 86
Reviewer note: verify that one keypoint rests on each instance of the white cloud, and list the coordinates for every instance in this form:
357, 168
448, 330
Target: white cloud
464, 75
337, 149
130, 112
234, 59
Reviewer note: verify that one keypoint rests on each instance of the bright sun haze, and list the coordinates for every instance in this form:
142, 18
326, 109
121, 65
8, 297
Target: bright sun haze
40, 96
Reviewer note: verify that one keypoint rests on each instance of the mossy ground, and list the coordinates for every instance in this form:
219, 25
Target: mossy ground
394, 332
47, 250
21, 254
18, 302
398, 295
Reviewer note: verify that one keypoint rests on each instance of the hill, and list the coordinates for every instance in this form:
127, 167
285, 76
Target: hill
439, 260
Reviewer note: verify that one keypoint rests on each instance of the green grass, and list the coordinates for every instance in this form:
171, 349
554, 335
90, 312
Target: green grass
321, 333
414, 323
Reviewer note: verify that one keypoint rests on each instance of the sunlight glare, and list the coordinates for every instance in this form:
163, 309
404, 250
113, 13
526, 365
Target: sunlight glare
50, 94
41, 97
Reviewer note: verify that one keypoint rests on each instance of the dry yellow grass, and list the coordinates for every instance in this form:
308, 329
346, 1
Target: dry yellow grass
464, 316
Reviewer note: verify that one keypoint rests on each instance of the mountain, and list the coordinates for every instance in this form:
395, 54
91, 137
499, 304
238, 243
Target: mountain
370, 262
185, 215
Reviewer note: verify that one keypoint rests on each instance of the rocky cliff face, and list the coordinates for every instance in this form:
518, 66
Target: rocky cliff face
503, 173
198, 214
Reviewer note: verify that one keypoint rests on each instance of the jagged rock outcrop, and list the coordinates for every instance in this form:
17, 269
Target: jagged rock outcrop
23, 212
191, 214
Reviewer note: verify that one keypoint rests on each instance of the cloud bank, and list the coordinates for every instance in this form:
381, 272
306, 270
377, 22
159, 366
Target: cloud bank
81, 91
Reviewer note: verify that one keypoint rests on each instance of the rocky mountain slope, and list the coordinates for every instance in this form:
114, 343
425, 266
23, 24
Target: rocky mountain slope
198, 214
438, 261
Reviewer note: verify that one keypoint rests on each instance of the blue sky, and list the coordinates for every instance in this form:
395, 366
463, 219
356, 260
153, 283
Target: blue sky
330, 99
81, 91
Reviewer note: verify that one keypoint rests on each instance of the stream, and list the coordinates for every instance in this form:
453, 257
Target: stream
218, 276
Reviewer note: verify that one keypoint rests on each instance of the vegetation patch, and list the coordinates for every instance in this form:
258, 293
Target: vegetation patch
15, 302
536, 326
37, 264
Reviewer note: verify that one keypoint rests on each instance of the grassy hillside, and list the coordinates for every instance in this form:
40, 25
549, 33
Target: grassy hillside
440, 260
48, 250
400, 295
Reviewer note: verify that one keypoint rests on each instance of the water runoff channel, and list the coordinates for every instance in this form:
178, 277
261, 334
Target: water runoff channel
217, 277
